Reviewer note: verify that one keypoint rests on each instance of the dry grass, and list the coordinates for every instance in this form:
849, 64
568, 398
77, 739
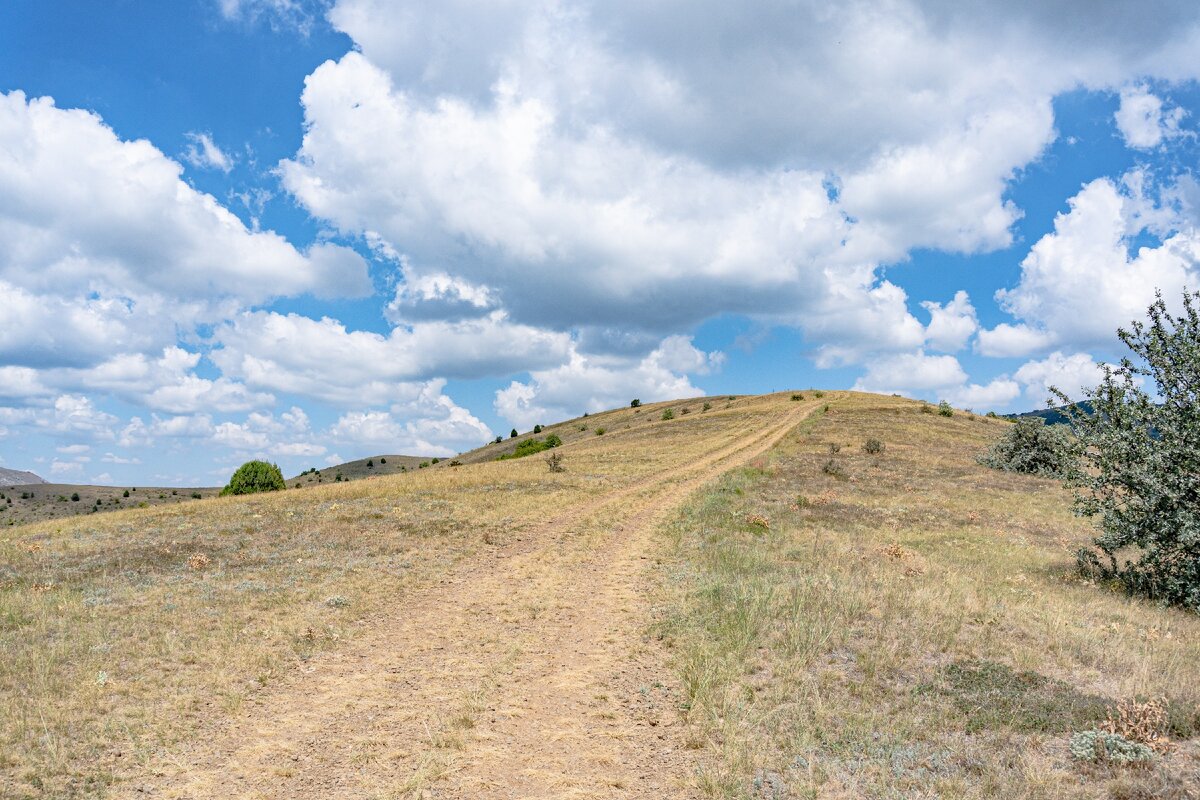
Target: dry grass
126, 632
909, 626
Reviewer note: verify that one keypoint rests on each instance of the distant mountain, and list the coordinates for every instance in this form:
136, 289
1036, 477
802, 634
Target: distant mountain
1054, 416
15, 477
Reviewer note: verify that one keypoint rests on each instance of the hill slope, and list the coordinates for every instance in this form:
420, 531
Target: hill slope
735, 602
16, 477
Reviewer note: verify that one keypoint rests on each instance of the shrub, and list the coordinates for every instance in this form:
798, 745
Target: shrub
513, 434
537, 428
925, 408
197, 495
435, 461
600, 431
873, 446
1032, 447
125, 493
706, 407
833, 470
370, 463
991, 415
945, 410
75, 497
253, 477
423, 465
1137, 460
668, 414
1101, 747
383, 461
634, 403
818, 395
554, 462
797, 397
834, 448
456, 463
531, 446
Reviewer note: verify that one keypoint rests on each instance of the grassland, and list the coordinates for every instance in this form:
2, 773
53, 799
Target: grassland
715, 605
908, 624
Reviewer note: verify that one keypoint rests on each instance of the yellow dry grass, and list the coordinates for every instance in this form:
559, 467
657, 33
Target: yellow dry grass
909, 625
124, 634
899, 624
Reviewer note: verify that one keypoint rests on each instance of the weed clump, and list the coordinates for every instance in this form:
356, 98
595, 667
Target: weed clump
1031, 447
253, 477
668, 414
1110, 748
872, 446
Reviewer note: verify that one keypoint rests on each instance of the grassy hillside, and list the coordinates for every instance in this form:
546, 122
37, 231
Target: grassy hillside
674, 615
908, 624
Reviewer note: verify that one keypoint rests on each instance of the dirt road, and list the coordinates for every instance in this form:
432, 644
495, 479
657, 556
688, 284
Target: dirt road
526, 673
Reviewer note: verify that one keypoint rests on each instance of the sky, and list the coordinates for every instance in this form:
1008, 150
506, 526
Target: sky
316, 230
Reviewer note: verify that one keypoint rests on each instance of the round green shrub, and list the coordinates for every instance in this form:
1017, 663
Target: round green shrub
255, 476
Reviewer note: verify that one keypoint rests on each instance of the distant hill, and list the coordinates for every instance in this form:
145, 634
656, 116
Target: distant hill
361, 468
1053, 416
15, 477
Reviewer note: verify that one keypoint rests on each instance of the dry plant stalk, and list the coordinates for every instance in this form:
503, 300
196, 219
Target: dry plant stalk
1141, 722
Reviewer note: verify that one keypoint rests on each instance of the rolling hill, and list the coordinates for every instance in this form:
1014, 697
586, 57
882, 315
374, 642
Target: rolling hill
16, 477
737, 601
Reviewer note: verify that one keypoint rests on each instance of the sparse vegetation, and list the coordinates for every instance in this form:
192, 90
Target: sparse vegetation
253, 477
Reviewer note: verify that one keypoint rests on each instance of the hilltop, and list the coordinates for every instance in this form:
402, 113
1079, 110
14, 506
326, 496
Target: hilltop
743, 600
15, 477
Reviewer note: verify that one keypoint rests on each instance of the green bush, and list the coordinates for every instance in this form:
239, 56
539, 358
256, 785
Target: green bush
537, 428
255, 476
600, 431
668, 414
634, 403
1032, 447
513, 434
75, 497
125, 493
945, 410
1138, 465
797, 397
531, 446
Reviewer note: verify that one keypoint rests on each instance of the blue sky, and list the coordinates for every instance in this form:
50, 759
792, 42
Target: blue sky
315, 231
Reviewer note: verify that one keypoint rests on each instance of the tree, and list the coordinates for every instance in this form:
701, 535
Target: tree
1138, 465
634, 403
255, 476
513, 435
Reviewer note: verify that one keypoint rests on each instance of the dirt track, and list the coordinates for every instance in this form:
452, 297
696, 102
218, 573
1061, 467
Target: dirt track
526, 673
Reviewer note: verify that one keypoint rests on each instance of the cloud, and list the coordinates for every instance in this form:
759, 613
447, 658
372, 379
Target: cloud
297, 15
916, 372
1071, 373
425, 422
1142, 120
595, 383
324, 360
105, 250
950, 325
203, 152
1081, 282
